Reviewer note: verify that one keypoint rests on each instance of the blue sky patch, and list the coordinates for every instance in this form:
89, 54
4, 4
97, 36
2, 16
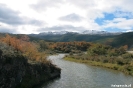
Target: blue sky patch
111, 16
107, 16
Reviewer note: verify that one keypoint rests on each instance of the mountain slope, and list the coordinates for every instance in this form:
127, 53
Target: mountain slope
123, 39
72, 37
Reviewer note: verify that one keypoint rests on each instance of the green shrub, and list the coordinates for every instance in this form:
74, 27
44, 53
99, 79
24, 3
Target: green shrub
127, 56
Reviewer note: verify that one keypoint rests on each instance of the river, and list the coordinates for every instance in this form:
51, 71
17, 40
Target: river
78, 75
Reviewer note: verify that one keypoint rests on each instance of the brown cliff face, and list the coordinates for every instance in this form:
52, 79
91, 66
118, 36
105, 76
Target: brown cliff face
16, 72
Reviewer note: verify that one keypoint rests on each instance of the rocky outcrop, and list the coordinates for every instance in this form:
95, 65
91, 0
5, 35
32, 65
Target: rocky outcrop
16, 72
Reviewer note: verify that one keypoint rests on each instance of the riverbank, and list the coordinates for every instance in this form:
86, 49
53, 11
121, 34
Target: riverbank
17, 71
38, 74
77, 75
106, 65
22, 66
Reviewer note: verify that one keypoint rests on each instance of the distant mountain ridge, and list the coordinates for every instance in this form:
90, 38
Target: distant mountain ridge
89, 32
53, 33
115, 39
95, 32
66, 36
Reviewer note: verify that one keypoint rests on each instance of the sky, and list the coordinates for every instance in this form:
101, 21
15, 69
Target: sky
35, 16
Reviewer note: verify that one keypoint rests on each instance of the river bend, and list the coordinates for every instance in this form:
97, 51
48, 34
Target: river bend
78, 75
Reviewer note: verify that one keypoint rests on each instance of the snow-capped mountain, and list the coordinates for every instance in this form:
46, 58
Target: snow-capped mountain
53, 33
89, 32
92, 32
96, 32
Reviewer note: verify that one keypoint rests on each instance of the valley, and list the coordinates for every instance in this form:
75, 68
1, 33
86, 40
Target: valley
106, 51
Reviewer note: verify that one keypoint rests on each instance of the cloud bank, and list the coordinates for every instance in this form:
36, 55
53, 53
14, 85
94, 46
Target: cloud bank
65, 15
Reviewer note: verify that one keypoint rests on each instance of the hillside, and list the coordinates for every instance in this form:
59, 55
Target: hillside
123, 39
113, 40
72, 37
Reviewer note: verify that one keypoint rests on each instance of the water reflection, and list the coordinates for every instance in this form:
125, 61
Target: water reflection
77, 75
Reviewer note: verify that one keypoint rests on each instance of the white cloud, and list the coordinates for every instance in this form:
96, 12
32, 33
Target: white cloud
36, 14
43, 5
120, 23
71, 17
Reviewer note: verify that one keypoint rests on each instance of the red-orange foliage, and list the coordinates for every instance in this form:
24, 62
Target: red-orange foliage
29, 49
70, 46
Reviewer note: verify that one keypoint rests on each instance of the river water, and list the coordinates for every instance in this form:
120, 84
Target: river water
77, 75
